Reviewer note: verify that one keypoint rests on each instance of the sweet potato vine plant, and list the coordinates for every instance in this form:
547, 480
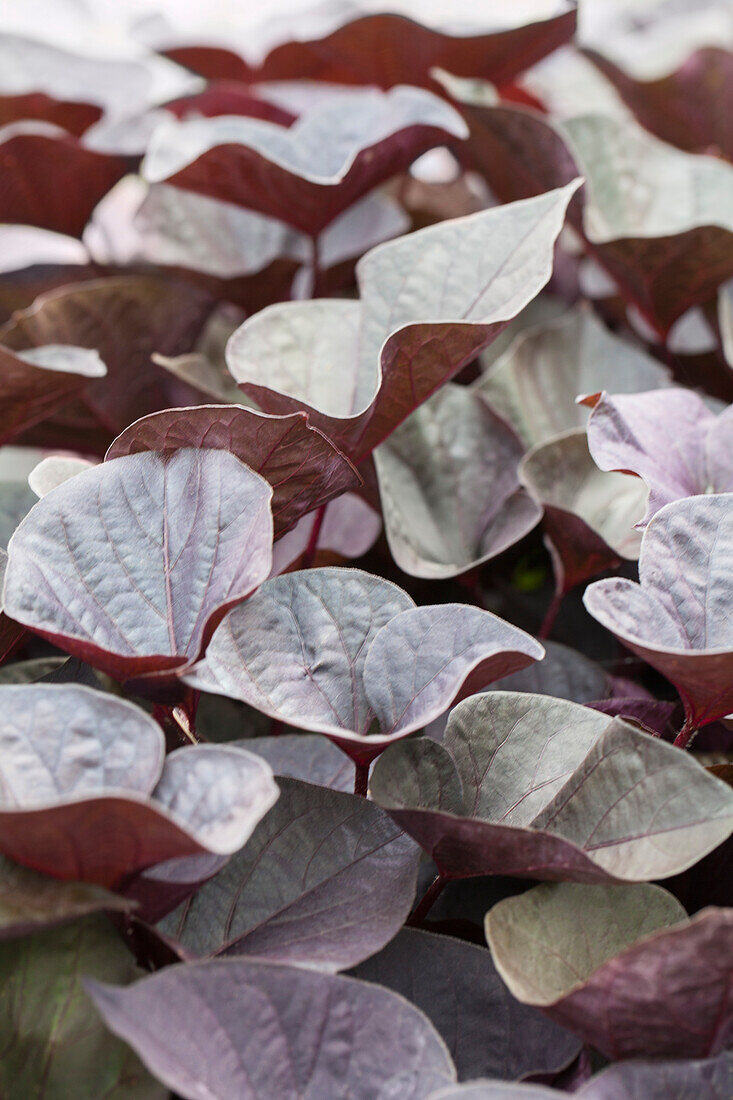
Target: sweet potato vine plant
330, 383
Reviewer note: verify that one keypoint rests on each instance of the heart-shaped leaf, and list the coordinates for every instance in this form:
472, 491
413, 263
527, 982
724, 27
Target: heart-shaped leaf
34, 155
538, 787
54, 471
669, 438
53, 1042
88, 793
681, 107
620, 966
457, 987
130, 564
10, 632
677, 617
310, 173
125, 319
37, 381
304, 469
359, 369
321, 1032
348, 654
325, 880
449, 486
590, 516
535, 383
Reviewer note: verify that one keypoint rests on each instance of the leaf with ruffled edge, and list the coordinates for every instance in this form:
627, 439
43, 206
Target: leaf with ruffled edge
347, 654
669, 438
303, 467
89, 794
308, 174
429, 302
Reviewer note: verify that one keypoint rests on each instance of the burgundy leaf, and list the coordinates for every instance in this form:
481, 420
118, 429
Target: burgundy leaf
664, 255
677, 617
202, 1030
669, 438
620, 966
457, 987
684, 107
228, 97
309, 174
36, 382
325, 880
389, 49
125, 319
538, 787
130, 565
303, 467
34, 156
75, 118
379, 359
347, 654
88, 793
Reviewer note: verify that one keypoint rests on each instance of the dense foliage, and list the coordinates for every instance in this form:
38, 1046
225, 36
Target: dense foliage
331, 382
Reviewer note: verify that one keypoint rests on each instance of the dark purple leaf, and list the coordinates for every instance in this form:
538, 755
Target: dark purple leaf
320, 1034
131, 564
36, 382
677, 618
53, 1042
88, 793
75, 118
357, 53
325, 880
227, 97
359, 369
347, 654
488, 1033
665, 253
34, 157
125, 319
685, 106
621, 966
669, 438
309, 174
303, 467
539, 787
449, 486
